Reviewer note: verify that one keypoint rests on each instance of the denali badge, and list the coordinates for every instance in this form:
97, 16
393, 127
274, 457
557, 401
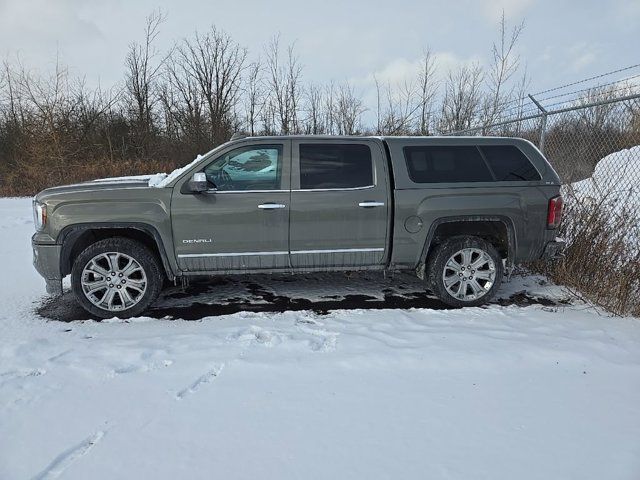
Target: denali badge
198, 240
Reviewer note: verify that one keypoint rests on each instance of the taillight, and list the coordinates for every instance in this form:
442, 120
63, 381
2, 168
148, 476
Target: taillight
554, 214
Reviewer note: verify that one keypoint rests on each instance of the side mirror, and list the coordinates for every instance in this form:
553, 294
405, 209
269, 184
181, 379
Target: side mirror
198, 183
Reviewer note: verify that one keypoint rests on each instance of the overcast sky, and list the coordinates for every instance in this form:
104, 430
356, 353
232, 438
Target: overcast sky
336, 40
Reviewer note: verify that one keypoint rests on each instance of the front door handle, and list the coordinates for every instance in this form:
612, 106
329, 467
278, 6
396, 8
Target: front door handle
371, 204
271, 206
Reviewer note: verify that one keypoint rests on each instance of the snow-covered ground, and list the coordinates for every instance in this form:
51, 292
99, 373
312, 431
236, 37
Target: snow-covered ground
511, 392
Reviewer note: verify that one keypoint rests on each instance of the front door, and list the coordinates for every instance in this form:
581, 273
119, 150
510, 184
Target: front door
242, 223
339, 204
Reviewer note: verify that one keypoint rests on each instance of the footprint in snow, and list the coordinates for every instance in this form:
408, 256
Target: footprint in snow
63, 461
321, 340
257, 334
17, 374
208, 377
144, 368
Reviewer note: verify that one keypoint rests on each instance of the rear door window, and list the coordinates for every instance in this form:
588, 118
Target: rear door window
446, 164
509, 163
335, 166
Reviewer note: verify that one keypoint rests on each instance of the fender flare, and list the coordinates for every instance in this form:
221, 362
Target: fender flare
508, 223
74, 231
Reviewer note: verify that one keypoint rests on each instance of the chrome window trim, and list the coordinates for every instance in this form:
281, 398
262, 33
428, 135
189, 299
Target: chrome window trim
333, 189
217, 192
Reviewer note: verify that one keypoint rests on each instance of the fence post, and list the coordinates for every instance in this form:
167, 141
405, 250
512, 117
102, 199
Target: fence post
543, 126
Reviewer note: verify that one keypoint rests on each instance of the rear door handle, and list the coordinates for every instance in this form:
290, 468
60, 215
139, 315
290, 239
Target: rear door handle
371, 204
271, 206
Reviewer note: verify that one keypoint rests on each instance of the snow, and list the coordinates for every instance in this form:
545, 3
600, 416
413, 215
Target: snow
158, 180
482, 393
127, 179
161, 180
615, 180
615, 184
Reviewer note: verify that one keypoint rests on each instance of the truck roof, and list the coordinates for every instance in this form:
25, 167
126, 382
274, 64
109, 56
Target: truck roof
467, 138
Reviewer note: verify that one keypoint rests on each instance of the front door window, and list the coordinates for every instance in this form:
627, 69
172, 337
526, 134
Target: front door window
247, 168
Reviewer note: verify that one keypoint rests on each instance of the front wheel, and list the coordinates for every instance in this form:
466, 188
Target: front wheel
116, 277
464, 271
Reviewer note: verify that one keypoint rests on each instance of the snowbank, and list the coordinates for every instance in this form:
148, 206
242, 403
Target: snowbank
616, 180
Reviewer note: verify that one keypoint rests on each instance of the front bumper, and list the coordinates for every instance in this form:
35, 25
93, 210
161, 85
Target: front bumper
46, 260
554, 248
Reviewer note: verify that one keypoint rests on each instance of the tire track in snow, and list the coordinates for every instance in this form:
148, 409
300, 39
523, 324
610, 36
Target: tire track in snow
63, 461
200, 381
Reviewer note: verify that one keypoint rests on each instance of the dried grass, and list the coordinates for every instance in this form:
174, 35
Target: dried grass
602, 260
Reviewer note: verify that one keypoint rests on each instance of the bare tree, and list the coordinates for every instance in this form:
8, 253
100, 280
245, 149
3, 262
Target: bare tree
399, 111
378, 106
254, 96
599, 117
428, 89
143, 67
215, 62
285, 85
516, 109
183, 102
505, 64
11, 98
329, 109
462, 97
314, 123
348, 110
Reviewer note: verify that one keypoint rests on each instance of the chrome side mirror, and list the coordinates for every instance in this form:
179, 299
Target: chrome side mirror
198, 183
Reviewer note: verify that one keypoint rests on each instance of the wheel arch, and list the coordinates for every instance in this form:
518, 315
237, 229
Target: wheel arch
497, 229
75, 238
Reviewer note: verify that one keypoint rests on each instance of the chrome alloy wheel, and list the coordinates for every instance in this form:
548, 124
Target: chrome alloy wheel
469, 274
113, 281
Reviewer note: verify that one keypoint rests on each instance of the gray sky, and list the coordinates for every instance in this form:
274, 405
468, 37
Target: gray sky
336, 40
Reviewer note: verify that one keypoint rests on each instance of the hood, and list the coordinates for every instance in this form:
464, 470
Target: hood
116, 183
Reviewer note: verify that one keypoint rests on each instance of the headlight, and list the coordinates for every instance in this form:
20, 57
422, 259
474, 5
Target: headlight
39, 215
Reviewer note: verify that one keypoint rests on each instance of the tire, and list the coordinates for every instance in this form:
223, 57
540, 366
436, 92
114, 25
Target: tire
134, 287
446, 264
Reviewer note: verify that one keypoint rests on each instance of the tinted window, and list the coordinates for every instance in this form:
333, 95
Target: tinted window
335, 166
254, 167
509, 163
446, 164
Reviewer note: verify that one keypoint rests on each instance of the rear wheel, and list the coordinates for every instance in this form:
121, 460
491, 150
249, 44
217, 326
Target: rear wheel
465, 271
116, 277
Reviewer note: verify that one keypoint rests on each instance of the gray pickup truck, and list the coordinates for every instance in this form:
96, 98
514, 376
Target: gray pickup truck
459, 211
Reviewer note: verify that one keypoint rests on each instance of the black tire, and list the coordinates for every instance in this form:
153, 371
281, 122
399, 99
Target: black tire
142, 255
437, 263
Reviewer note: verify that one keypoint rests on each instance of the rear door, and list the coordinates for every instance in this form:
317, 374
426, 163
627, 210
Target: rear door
339, 204
243, 224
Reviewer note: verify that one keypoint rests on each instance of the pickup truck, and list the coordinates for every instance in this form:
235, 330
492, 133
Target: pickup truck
459, 211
